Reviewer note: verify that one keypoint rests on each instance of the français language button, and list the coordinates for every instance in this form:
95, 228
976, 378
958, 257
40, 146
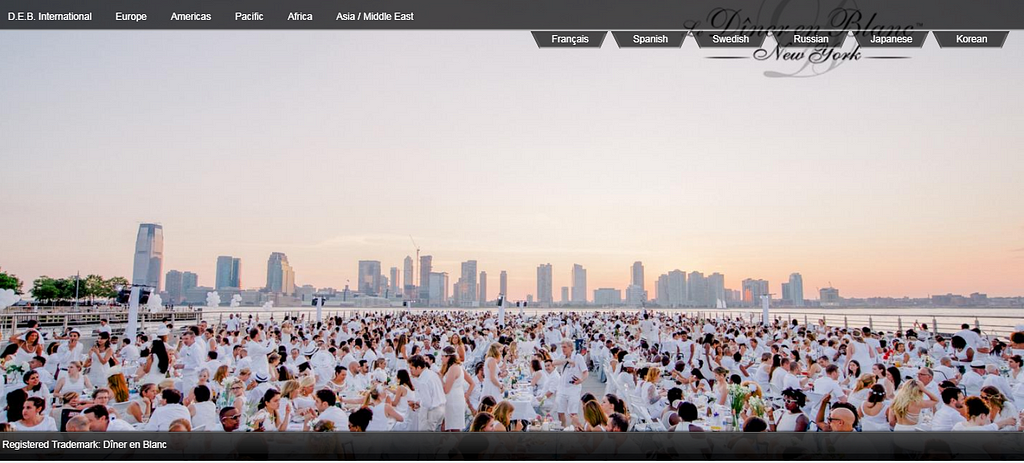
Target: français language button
649, 39
569, 39
973, 39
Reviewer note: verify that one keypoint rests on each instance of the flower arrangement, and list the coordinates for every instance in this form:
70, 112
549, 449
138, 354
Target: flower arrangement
14, 371
757, 407
738, 396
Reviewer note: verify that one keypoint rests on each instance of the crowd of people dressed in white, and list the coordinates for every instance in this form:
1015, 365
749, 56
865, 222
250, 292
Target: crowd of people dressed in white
476, 371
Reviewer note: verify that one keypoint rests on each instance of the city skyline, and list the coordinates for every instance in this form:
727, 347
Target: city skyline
672, 287
339, 156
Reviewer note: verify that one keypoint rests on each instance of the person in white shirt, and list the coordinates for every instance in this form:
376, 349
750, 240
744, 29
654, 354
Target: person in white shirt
829, 384
326, 411
430, 394
974, 378
948, 414
940, 348
170, 410
192, 357
978, 417
101, 421
258, 350
573, 370
70, 351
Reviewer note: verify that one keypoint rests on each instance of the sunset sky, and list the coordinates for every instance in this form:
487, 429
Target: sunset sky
883, 177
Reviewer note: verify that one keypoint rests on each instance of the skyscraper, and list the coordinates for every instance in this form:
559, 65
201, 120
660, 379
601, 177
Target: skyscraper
149, 256
394, 282
503, 283
172, 284
544, 284
424, 290
565, 295
796, 289
676, 288
661, 290
280, 276
637, 277
189, 281
228, 270
468, 277
436, 288
697, 289
483, 288
752, 290
369, 277
408, 279
716, 289
579, 285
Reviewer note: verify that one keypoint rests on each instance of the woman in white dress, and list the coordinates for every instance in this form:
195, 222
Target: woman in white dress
98, 362
271, 414
140, 409
382, 411
157, 364
874, 410
454, 381
492, 365
404, 392
1001, 408
793, 419
28, 348
33, 417
860, 351
74, 381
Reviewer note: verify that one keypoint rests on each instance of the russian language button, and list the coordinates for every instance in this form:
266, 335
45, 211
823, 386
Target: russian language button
649, 39
974, 39
569, 39
707, 39
811, 39
891, 39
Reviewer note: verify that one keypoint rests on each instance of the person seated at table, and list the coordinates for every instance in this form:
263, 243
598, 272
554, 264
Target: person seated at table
611, 403
325, 411
687, 415
382, 411
1001, 407
503, 417
618, 422
978, 417
482, 422
73, 380
487, 404
906, 407
77, 423
793, 419
668, 415
101, 421
33, 417
359, 420
180, 425
594, 417
230, 419
202, 410
755, 424
169, 410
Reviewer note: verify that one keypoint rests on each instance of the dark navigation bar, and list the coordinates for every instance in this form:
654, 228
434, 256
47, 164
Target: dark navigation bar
724, 16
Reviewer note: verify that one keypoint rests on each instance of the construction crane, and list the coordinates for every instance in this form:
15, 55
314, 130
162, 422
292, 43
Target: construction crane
415, 275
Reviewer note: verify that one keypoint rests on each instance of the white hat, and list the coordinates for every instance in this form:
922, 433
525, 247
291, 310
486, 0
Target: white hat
628, 364
163, 331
